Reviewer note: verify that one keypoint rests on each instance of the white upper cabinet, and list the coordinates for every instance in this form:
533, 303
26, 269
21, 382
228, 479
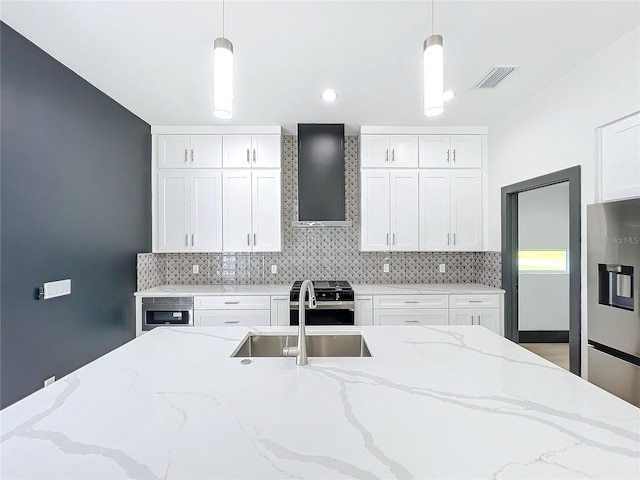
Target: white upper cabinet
252, 211
620, 159
189, 211
189, 151
251, 151
389, 210
450, 151
389, 151
450, 210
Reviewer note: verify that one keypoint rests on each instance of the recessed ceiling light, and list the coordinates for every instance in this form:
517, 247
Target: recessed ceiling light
329, 95
448, 95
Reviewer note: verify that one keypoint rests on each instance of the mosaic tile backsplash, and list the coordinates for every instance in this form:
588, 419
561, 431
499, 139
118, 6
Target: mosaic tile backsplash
323, 253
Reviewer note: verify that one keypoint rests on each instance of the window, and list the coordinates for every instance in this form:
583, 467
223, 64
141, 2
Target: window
543, 261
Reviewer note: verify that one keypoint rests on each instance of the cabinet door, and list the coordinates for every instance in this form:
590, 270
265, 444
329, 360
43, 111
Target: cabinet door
375, 151
236, 151
621, 159
461, 316
266, 211
206, 151
489, 318
236, 211
466, 210
404, 210
363, 315
173, 211
374, 223
434, 151
411, 317
266, 151
173, 151
403, 151
466, 151
435, 210
206, 211
218, 318
280, 311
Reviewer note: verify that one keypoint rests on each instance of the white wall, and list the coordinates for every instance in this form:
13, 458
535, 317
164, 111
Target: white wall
543, 224
555, 129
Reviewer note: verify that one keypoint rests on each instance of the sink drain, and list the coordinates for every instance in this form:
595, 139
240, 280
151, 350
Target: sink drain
245, 361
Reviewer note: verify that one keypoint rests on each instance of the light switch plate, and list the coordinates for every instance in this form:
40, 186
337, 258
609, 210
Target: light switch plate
57, 289
443, 268
385, 268
274, 269
196, 269
49, 381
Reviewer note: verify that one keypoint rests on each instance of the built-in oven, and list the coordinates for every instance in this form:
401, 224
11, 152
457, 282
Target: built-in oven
163, 311
326, 313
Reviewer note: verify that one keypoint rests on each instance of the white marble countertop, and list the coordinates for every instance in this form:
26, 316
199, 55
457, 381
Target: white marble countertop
359, 289
432, 402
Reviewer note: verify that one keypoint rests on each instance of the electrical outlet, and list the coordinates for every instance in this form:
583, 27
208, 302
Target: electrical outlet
443, 268
49, 381
385, 268
196, 269
274, 269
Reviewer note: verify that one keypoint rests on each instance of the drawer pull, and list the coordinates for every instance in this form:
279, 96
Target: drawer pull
411, 301
232, 321
231, 303
475, 301
411, 321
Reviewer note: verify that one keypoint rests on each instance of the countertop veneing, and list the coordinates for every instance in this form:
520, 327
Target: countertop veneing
432, 402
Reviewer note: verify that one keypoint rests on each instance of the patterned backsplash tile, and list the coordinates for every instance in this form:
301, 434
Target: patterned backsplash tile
326, 253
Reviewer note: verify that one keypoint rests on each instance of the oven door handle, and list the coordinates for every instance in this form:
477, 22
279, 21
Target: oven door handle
339, 305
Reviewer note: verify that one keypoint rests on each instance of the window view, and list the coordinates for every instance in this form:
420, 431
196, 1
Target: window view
543, 261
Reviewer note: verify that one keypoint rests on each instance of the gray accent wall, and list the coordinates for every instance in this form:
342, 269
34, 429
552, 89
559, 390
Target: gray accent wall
76, 203
320, 253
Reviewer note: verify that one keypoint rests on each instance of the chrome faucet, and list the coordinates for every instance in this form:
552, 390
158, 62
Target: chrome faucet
300, 352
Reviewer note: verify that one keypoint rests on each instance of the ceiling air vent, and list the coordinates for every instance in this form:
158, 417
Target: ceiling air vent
496, 76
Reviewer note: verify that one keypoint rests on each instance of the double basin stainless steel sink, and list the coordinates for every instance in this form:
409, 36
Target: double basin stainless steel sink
317, 346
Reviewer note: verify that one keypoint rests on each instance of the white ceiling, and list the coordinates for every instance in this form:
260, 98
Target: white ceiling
155, 57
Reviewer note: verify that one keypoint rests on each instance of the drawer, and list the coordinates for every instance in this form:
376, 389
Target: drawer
232, 302
474, 301
427, 316
410, 301
221, 318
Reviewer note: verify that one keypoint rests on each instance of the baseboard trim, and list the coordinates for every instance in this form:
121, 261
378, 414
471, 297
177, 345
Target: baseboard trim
543, 336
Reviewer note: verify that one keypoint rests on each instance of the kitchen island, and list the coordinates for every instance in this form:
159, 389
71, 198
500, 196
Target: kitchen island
431, 402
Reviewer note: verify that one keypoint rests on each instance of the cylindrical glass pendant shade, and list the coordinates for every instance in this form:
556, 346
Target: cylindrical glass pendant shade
433, 76
222, 78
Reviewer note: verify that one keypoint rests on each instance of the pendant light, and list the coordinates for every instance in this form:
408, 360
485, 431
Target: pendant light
433, 73
222, 76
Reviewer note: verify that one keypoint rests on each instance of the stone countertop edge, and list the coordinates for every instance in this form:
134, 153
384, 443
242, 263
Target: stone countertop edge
359, 289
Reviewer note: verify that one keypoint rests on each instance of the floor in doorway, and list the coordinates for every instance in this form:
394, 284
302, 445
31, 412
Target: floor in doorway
557, 353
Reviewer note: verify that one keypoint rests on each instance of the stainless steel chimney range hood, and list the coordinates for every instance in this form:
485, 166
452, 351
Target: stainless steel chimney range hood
321, 176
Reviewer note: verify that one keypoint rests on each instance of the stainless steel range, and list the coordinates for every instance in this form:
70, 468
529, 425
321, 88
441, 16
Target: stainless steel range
335, 303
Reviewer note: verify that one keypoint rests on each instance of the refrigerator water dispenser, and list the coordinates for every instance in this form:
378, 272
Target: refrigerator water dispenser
615, 286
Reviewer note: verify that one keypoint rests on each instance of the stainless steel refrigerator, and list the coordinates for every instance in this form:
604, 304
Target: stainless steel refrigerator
613, 297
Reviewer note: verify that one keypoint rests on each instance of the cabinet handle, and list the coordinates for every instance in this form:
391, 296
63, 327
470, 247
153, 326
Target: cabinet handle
231, 303
454, 155
186, 159
186, 239
447, 239
478, 319
393, 155
193, 239
254, 239
454, 238
232, 321
387, 242
248, 239
393, 239
472, 320
254, 155
411, 301
386, 156
474, 301
248, 161
192, 155
447, 155
411, 321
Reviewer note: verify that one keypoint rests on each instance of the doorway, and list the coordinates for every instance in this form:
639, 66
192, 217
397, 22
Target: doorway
541, 267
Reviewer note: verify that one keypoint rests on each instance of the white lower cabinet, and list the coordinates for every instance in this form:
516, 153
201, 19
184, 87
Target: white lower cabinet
487, 317
363, 315
411, 316
280, 310
217, 318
